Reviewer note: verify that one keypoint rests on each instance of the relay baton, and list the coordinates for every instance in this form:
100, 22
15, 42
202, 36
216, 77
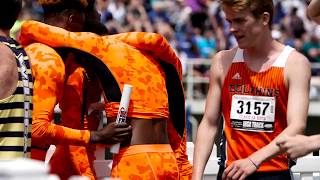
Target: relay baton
122, 112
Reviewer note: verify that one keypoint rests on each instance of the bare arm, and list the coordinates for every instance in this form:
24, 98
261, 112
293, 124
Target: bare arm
313, 10
208, 127
300, 145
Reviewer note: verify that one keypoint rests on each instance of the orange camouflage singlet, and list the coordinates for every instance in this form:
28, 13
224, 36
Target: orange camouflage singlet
254, 106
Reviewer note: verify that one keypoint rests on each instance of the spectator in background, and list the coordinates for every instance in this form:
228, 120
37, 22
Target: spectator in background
186, 44
137, 18
311, 48
199, 14
205, 42
294, 24
279, 13
164, 28
118, 10
217, 24
180, 16
113, 26
160, 11
102, 8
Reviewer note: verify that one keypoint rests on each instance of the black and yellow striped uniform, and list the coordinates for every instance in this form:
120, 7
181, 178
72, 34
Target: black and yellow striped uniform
16, 110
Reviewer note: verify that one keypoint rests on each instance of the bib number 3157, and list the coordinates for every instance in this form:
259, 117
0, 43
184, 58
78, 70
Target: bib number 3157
252, 113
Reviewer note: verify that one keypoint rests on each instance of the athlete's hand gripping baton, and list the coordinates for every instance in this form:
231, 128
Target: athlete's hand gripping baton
122, 112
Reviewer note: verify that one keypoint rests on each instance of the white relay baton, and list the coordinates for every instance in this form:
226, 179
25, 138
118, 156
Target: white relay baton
122, 112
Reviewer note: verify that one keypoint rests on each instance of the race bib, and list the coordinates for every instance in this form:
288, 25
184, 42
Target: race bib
253, 113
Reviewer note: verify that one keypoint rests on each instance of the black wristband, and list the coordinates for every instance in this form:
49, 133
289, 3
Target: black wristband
255, 165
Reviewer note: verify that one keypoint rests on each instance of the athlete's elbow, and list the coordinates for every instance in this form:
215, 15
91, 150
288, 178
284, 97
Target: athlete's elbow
206, 127
298, 128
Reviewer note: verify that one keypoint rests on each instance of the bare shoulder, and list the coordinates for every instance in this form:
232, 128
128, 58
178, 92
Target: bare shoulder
298, 67
5, 51
7, 59
297, 60
8, 71
222, 61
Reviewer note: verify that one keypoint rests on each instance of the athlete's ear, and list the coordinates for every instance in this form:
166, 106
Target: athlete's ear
266, 18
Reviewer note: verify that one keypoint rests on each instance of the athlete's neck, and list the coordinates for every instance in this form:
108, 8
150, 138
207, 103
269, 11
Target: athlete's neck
5, 33
261, 58
262, 47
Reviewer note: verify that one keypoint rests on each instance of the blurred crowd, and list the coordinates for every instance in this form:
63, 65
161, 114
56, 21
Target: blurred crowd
197, 28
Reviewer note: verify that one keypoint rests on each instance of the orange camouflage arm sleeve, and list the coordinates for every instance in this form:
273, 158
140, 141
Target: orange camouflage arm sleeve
153, 43
48, 72
58, 37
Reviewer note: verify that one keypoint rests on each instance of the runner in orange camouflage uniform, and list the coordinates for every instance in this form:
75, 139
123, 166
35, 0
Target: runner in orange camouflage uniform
148, 63
61, 81
81, 90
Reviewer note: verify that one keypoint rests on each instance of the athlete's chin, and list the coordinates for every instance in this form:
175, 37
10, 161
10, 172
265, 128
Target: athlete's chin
242, 45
